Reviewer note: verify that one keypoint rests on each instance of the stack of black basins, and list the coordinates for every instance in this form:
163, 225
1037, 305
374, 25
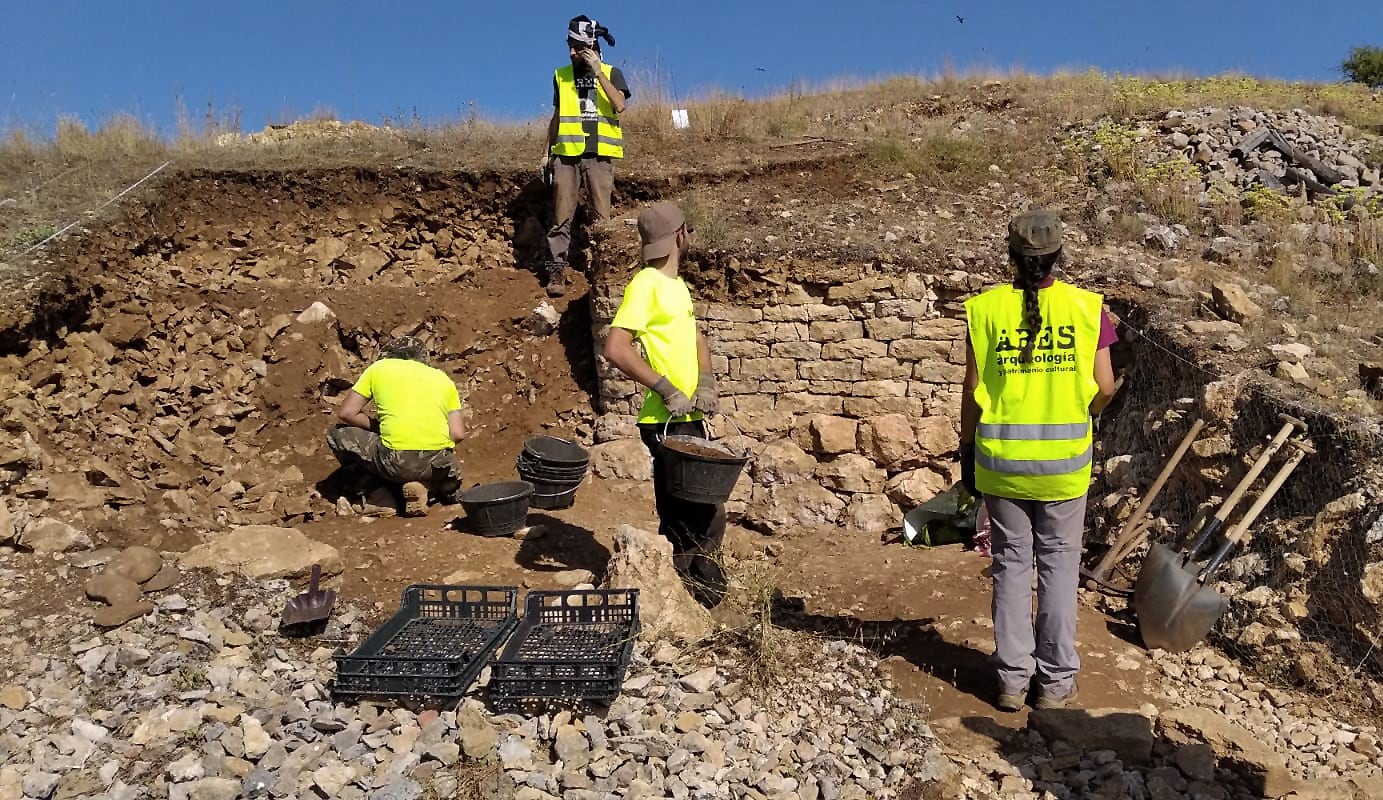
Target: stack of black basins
556, 467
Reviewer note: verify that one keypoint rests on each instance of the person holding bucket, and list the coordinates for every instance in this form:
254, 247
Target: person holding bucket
675, 366
1037, 368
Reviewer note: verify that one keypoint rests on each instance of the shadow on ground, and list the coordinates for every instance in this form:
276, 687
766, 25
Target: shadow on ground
563, 546
917, 641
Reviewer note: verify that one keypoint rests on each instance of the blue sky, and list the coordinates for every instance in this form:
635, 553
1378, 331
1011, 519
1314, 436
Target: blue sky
367, 59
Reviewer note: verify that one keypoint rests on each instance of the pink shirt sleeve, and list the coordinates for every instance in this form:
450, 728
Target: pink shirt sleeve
1108, 335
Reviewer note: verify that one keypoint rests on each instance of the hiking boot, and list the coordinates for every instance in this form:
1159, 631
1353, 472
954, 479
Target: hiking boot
414, 499
1010, 702
1045, 700
556, 279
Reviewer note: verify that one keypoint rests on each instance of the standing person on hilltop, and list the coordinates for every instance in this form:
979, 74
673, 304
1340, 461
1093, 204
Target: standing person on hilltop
584, 138
1037, 368
657, 313
413, 443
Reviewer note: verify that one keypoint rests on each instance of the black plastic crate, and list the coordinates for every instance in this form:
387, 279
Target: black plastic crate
433, 647
570, 645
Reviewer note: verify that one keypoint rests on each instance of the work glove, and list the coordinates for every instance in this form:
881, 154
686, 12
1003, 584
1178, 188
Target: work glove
545, 164
967, 467
677, 403
706, 399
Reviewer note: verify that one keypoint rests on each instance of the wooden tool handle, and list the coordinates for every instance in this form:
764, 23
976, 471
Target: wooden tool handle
1289, 426
1131, 528
1236, 534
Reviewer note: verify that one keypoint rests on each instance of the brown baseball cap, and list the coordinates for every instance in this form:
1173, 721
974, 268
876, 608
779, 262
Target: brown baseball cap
1035, 233
658, 227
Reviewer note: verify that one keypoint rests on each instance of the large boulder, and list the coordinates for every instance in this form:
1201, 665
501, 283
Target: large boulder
48, 535
804, 505
1263, 770
642, 560
7, 527
825, 434
872, 513
852, 472
888, 440
622, 459
1128, 733
263, 551
937, 439
911, 489
138, 563
1232, 302
781, 461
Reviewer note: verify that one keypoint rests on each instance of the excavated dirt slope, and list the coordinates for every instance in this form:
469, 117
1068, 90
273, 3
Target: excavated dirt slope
180, 373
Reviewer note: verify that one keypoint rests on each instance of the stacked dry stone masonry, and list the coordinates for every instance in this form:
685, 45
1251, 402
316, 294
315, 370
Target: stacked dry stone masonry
849, 391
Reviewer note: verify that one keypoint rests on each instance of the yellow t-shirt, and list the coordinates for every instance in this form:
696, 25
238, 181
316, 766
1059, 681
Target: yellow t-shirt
658, 310
413, 401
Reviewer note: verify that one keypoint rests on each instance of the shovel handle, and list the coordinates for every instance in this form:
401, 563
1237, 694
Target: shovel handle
316, 576
1236, 534
1132, 528
1289, 425
1299, 453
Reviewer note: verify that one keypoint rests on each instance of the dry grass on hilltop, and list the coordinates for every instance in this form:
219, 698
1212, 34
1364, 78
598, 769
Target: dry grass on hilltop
901, 125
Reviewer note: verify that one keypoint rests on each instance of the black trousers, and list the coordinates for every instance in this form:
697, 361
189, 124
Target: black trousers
696, 530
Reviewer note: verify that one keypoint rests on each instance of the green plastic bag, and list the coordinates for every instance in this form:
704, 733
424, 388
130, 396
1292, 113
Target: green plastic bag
948, 518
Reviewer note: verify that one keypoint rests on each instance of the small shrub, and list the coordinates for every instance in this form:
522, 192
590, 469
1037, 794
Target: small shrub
28, 238
189, 678
1264, 204
1364, 65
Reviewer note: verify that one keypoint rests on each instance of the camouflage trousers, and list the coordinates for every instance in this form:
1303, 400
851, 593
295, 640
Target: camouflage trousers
437, 469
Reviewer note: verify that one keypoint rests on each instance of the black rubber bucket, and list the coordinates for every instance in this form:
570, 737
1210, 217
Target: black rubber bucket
497, 509
543, 485
552, 502
546, 471
554, 452
700, 470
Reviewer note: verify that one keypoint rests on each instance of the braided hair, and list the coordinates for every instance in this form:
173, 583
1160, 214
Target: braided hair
1031, 271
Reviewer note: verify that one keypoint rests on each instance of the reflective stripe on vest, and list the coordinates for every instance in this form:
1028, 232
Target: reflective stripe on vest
1034, 437
1037, 432
571, 131
1019, 466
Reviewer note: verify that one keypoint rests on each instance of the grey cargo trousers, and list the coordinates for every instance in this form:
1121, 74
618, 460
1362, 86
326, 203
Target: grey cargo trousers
1024, 531
436, 469
597, 174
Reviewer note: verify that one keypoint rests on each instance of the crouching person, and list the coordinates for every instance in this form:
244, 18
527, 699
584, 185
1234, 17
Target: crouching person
413, 443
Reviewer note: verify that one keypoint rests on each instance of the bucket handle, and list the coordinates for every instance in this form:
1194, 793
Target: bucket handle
662, 434
729, 419
705, 426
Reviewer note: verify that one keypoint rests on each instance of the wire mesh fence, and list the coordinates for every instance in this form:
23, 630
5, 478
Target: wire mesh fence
1305, 589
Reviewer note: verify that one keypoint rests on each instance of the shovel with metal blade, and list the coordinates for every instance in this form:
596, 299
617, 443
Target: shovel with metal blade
1133, 537
1175, 607
307, 613
1134, 531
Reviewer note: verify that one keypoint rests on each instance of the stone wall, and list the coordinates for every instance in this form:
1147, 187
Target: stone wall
849, 393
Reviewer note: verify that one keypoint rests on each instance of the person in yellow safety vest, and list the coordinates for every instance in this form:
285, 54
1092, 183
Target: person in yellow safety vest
1037, 368
584, 139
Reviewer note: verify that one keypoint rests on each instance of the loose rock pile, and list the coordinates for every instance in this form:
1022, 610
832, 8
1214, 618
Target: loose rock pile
201, 699
1221, 735
1213, 140
827, 730
1212, 137
185, 382
127, 577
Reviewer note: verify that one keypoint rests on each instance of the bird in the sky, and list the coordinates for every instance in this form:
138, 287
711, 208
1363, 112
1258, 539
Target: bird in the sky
761, 69
960, 19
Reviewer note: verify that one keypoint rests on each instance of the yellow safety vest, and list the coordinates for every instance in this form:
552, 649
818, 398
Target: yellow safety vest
1034, 437
571, 135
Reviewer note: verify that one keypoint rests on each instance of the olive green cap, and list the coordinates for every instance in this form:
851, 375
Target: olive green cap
1035, 233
